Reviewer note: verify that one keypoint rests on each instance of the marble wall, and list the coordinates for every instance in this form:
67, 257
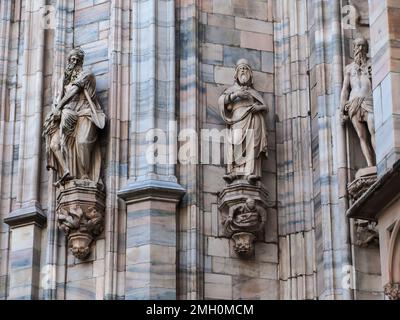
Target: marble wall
162, 61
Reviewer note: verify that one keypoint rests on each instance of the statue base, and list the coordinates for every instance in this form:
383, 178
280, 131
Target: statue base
365, 178
242, 207
80, 214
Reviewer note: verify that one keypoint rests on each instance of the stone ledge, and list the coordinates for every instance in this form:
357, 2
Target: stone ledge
152, 190
378, 196
26, 216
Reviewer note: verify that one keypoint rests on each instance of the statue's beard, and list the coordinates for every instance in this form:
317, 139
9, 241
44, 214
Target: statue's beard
244, 79
359, 57
71, 72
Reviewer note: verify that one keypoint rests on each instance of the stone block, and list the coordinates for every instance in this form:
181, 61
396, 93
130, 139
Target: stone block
223, 7
233, 54
220, 35
266, 252
218, 247
219, 20
224, 75
87, 33
253, 25
211, 53
267, 61
258, 41
81, 290
246, 288
92, 14
217, 286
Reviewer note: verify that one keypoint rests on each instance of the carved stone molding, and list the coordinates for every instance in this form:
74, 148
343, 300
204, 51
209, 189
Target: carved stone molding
392, 290
80, 214
365, 178
243, 215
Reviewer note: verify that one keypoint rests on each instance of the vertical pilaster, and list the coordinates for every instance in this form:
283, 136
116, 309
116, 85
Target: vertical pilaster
31, 113
385, 53
152, 191
5, 33
333, 254
55, 268
119, 99
151, 240
295, 186
28, 217
25, 255
191, 109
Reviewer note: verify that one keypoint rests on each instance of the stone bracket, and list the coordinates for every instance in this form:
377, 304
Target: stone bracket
243, 210
80, 214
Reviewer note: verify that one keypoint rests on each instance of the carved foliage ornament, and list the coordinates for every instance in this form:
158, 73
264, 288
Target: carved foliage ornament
81, 227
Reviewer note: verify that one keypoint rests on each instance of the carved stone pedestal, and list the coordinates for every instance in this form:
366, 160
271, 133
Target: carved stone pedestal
80, 214
243, 209
365, 178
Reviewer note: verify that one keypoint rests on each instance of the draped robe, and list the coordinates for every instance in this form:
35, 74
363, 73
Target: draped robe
247, 137
72, 136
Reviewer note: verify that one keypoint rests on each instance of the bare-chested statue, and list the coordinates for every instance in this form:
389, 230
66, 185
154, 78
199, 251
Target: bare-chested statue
71, 128
357, 101
243, 110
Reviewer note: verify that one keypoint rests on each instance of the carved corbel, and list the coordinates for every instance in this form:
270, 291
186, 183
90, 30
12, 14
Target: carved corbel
80, 214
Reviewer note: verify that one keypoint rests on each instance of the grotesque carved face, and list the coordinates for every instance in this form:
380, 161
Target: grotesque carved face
244, 74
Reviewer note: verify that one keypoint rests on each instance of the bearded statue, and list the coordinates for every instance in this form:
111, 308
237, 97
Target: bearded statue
243, 110
71, 129
357, 100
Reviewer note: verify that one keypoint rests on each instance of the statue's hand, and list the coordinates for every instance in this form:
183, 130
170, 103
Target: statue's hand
343, 118
243, 94
258, 108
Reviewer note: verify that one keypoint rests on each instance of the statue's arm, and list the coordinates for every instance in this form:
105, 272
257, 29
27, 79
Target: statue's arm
345, 91
227, 98
344, 97
68, 96
258, 107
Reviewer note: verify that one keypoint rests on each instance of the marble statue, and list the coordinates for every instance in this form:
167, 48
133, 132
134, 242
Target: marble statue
357, 101
243, 110
71, 128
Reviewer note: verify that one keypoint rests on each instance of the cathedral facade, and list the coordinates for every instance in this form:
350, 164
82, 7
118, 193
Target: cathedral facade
199, 149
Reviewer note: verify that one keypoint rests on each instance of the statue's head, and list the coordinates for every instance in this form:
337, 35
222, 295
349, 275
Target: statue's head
251, 204
76, 58
243, 73
361, 47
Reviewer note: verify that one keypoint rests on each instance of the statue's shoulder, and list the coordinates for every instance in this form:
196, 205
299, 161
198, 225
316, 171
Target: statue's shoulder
87, 75
231, 90
349, 68
84, 78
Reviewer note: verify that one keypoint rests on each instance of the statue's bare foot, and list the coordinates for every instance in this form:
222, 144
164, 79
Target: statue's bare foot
229, 178
253, 179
